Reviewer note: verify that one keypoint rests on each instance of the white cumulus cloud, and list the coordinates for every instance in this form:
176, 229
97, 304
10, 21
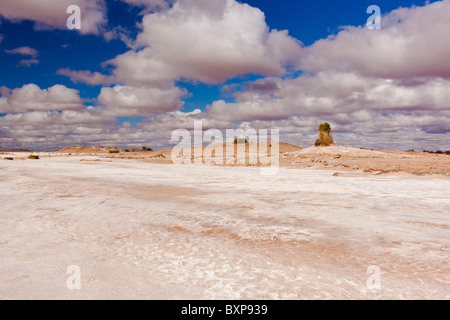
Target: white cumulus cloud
31, 97
413, 42
141, 101
208, 41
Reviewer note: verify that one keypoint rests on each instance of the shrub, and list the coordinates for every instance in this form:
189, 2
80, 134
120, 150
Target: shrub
438, 151
325, 127
126, 150
114, 151
9, 158
159, 155
240, 140
325, 137
33, 157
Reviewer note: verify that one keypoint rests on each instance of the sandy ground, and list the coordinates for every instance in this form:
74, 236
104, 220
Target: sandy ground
341, 158
138, 229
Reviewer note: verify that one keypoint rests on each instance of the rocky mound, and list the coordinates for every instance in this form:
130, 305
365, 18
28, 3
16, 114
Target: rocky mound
85, 149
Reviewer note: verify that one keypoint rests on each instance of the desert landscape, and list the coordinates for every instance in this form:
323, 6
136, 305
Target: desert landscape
140, 227
224, 150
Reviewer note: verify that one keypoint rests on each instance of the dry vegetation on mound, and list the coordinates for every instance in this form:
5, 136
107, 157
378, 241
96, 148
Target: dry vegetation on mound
325, 138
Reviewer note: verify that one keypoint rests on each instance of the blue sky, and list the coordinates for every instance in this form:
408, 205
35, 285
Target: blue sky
307, 21
89, 50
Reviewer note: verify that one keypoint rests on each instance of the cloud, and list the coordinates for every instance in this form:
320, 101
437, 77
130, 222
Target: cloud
141, 101
28, 62
403, 130
413, 42
88, 115
208, 41
120, 33
328, 93
51, 14
150, 4
55, 136
25, 51
182, 120
50, 130
363, 111
5, 91
86, 76
31, 97
384, 88
371, 129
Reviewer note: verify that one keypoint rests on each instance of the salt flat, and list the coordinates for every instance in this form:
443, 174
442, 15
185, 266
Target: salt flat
163, 231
